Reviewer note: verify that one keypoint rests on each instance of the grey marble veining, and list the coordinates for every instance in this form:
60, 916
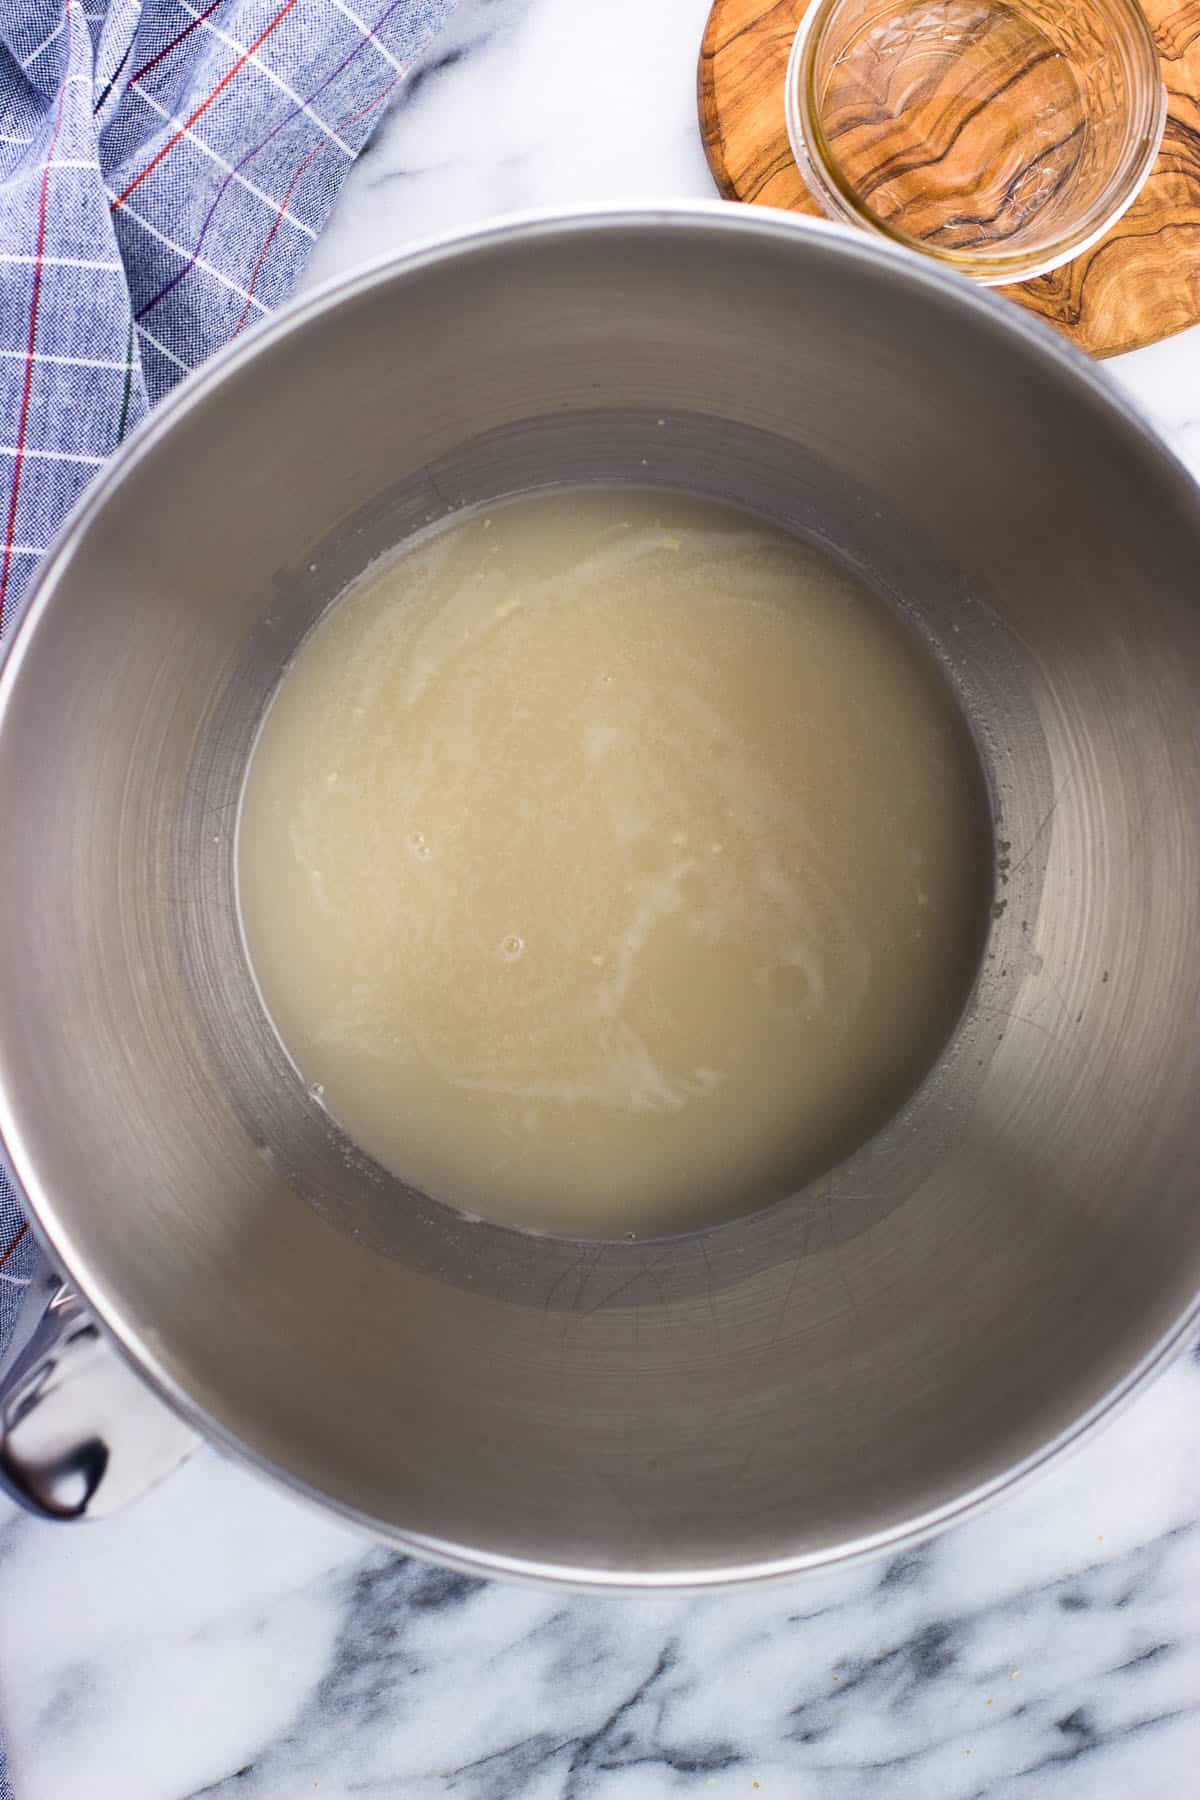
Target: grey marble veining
222, 1639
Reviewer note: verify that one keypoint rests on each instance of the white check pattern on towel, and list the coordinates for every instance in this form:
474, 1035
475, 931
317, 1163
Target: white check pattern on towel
165, 168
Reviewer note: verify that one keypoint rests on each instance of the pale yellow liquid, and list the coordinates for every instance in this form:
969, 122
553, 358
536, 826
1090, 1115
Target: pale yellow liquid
612, 862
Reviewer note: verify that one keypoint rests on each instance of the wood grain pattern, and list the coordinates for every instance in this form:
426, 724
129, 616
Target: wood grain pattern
1138, 284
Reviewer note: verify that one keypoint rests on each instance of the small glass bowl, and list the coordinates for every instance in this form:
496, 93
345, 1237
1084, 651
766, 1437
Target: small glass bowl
1001, 138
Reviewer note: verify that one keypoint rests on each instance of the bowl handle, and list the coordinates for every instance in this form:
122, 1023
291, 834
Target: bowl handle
80, 1435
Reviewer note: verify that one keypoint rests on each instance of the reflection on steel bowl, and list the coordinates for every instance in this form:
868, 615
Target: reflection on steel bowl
858, 1363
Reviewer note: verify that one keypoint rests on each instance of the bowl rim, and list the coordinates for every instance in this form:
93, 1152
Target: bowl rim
135, 1346
831, 187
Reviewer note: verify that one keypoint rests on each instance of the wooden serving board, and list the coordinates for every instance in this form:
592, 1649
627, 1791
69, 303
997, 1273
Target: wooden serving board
1139, 283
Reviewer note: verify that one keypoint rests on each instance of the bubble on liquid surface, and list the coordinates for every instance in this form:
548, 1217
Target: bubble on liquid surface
512, 946
418, 844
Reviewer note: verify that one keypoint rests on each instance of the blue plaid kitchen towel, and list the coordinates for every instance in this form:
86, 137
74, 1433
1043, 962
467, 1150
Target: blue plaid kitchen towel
165, 168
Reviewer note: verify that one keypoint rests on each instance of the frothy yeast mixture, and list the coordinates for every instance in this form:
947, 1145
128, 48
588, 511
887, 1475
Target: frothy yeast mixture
613, 862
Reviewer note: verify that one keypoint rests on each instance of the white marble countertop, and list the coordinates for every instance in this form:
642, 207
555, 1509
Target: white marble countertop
222, 1639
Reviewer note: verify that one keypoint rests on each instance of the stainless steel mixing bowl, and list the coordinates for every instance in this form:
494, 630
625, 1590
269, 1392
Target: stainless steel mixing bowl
870, 1358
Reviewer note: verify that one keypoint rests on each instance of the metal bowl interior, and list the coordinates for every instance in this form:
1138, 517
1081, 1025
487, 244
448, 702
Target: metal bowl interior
840, 1371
